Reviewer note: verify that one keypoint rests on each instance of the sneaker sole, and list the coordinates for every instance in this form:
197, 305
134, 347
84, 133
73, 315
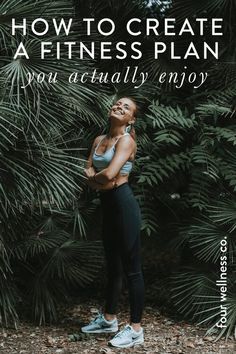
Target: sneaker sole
133, 344
102, 330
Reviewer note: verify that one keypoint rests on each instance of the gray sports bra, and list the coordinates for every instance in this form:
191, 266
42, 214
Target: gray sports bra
101, 161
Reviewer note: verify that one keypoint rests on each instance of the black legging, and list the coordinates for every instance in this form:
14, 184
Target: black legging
121, 240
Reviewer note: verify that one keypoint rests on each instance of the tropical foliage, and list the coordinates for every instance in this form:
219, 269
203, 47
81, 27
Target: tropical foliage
184, 174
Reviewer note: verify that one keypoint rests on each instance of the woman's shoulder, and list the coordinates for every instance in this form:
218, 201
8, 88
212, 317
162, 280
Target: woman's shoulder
128, 142
127, 138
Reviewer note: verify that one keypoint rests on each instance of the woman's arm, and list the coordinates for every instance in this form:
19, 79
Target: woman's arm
90, 158
90, 172
124, 149
94, 184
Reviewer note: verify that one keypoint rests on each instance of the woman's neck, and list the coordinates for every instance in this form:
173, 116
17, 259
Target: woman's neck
116, 131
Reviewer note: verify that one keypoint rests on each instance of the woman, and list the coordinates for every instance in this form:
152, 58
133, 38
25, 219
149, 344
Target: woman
108, 167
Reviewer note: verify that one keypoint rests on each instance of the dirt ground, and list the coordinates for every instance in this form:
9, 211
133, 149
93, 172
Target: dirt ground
162, 335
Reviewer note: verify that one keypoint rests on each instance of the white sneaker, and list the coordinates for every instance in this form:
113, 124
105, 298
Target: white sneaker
101, 325
127, 338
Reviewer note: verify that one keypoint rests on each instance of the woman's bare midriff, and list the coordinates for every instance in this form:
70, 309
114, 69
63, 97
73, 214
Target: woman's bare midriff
120, 179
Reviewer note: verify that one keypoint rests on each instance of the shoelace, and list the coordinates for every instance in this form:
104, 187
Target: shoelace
96, 318
123, 332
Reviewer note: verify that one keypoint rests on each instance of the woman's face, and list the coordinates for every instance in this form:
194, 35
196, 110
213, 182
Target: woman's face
123, 110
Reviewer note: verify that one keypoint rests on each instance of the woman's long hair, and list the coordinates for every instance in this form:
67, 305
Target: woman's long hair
132, 131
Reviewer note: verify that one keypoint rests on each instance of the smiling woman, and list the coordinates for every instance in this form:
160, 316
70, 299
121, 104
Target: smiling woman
112, 156
114, 160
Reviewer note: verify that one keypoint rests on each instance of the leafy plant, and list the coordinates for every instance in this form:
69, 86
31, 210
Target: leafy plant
183, 176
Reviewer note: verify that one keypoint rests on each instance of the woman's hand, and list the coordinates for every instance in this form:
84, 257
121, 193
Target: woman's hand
90, 172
